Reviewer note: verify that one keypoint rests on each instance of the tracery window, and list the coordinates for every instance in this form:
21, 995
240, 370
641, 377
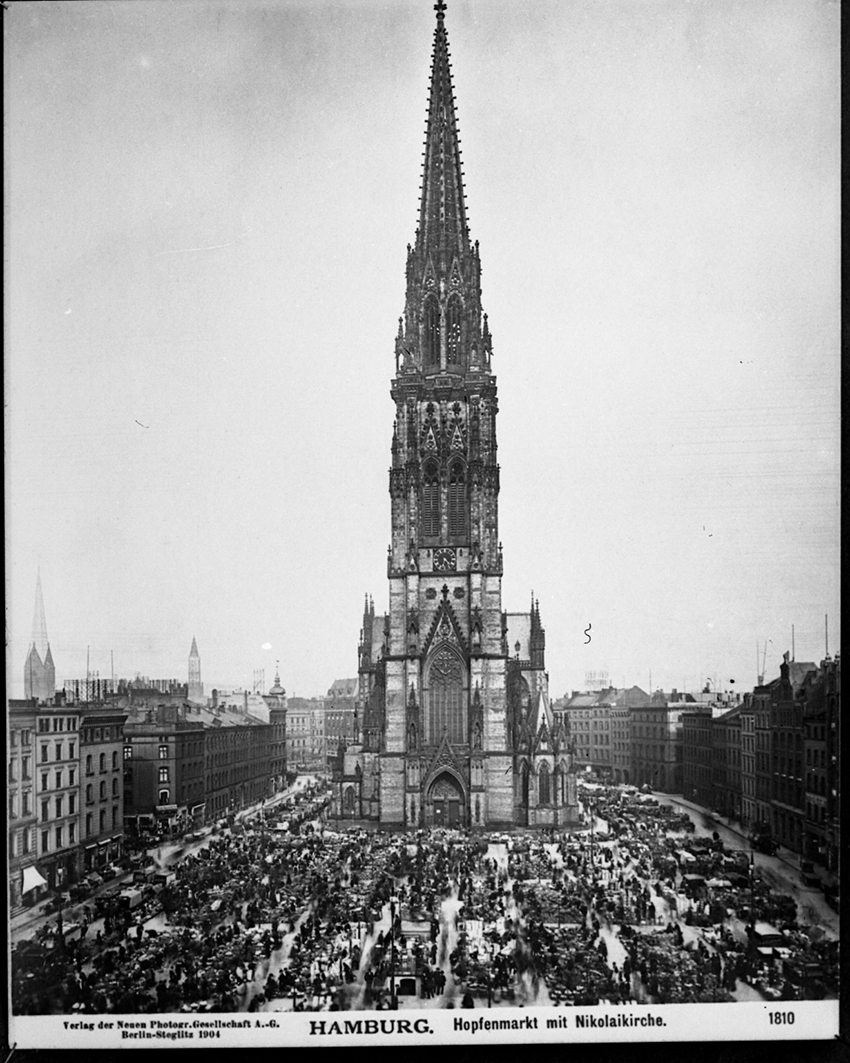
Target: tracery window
453, 330
543, 796
431, 501
446, 698
431, 337
457, 499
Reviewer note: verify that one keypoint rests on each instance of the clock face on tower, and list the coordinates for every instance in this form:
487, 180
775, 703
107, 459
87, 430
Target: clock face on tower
445, 559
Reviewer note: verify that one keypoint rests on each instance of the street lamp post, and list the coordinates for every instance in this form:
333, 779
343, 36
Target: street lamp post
393, 1000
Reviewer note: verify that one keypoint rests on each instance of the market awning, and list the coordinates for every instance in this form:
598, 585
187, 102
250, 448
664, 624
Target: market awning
32, 879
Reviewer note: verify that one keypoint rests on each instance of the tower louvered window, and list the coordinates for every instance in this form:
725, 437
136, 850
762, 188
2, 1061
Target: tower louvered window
453, 331
457, 500
432, 332
431, 501
446, 698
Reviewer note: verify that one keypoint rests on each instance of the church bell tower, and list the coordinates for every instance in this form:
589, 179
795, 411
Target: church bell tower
455, 729
446, 756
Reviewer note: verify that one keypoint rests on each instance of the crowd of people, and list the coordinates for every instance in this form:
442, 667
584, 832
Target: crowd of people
295, 915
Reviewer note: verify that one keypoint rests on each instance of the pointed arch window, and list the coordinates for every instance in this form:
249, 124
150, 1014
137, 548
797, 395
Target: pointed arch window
446, 698
453, 330
431, 501
457, 499
431, 332
543, 790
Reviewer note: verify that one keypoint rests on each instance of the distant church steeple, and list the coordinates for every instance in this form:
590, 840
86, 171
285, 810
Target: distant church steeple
196, 687
39, 670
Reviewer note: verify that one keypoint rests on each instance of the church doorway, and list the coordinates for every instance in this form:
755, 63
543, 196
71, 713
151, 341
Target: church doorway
445, 804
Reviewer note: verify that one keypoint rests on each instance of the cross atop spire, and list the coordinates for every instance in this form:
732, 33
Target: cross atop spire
440, 8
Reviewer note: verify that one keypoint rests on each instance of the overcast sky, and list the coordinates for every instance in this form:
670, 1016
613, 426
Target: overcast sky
207, 212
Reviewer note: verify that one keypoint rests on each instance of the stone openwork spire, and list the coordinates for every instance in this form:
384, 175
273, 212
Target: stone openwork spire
441, 330
443, 232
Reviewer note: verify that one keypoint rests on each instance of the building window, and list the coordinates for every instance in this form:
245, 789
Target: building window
26, 797
45, 841
102, 820
88, 824
431, 332
102, 762
89, 794
44, 753
163, 797
59, 780
71, 747
128, 752
25, 767
114, 787
58, 837
45, 810
114, 759
457, 499
89, 770
103, 790
72, 833
115, 817
59, 804
72, 804
431, 501
12, 804
543, 797
163, 752
25, 841
446, 698
72, 775
58, 750
163, 774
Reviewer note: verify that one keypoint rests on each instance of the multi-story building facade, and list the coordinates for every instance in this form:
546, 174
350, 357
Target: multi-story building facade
578, 720
101, 784
22, 841
787, 756
57, 770
697, 755
237, 760
277, 710
301, 735
726, 740
762, 824
164, 768
748, 762
821, 696
657, 755
340, 714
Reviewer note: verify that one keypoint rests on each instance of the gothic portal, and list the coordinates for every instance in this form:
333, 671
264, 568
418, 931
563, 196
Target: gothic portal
455, 727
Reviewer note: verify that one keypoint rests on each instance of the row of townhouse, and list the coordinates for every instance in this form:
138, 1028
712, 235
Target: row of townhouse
65, 791
773, 762
79, 774
628, 736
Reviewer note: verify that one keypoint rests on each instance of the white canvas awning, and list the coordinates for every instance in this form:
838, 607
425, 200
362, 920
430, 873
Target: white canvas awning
32, 879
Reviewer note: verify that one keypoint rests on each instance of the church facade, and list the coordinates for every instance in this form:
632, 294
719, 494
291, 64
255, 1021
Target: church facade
454, 722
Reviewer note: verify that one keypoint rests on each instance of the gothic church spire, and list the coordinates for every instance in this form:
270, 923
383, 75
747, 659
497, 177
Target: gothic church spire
443, 232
